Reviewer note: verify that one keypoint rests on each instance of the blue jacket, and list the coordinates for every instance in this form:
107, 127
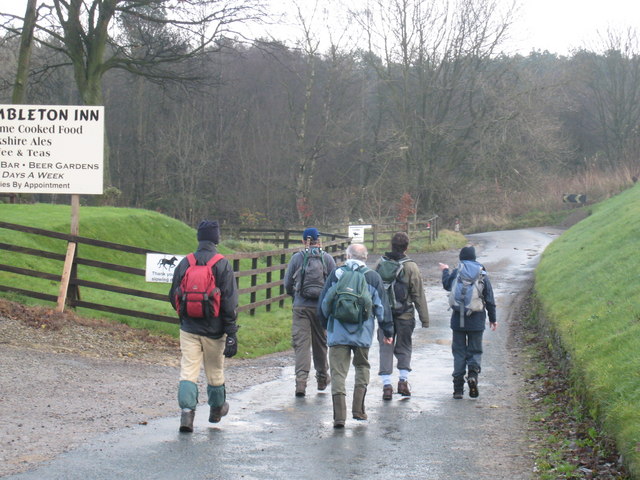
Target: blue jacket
476, 321
356, 335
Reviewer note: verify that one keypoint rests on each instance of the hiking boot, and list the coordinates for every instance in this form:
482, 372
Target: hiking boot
216, 413
403, 388
323, 382
357, 409
186, 420
472, 380
458, 388
339, 410
301, 388
387, 392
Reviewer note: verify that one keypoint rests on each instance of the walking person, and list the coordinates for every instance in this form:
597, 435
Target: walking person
352, 298
471, 299
205, 295
405, 292
304, 280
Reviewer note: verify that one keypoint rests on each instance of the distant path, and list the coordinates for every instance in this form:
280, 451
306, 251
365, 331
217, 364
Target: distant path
271, 434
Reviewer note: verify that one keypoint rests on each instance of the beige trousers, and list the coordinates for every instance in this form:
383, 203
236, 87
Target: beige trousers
197, 350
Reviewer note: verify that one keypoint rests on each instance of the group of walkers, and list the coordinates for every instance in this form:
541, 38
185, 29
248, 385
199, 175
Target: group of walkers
335, 311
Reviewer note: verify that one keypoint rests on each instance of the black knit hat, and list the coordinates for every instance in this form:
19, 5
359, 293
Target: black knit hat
468, 253
209, 230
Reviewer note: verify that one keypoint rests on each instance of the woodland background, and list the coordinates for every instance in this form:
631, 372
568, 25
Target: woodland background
412, 109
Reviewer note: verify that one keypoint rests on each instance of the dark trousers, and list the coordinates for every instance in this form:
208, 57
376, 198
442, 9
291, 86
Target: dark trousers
467, 352
400, 348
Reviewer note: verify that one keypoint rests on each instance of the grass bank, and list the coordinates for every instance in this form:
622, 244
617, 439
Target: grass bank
588, 289
266, 332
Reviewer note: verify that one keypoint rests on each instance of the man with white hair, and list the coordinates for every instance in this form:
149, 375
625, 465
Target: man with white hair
346, 336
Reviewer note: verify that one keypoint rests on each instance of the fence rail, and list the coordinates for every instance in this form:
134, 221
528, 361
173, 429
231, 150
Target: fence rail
376, 238
272, 284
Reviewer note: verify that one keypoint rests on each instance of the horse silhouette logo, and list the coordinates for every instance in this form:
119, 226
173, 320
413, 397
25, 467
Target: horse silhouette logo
167, 263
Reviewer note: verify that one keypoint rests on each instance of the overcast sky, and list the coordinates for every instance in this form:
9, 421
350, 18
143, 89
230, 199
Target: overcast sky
555, 25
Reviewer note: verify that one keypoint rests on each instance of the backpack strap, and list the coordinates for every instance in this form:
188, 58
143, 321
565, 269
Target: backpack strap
192, 259
215, 259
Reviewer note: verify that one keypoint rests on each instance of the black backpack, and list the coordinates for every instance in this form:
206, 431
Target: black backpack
310, 277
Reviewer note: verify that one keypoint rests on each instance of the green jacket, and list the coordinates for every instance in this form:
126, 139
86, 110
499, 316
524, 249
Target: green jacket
413, 279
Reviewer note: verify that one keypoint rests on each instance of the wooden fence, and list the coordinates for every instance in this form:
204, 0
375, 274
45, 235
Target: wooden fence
377, 237
273, 272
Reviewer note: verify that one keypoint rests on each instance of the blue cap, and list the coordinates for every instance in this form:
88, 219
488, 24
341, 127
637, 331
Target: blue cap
311, 233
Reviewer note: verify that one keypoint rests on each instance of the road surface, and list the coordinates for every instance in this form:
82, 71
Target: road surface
271, 434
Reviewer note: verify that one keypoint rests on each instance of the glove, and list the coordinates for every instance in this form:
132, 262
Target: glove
230, 346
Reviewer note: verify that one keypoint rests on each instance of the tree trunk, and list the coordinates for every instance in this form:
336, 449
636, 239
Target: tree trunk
24, 56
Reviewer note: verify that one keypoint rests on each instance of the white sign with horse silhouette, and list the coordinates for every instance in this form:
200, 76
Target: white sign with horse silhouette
160, 267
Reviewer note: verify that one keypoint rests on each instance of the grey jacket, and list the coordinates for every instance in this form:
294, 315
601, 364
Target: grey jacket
290, 277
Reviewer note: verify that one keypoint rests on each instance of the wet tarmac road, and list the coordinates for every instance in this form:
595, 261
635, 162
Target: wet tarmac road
270, 434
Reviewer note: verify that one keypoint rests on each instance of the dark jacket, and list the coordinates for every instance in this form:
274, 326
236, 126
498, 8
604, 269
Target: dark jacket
476, 321
225, 281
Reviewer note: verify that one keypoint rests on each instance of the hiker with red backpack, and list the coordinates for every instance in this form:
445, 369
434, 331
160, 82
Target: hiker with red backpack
304, 280
205, 296
471, 299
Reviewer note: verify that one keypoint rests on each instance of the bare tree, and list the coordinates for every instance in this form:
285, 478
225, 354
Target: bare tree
613, 95
435, 54
26, 42
89, 34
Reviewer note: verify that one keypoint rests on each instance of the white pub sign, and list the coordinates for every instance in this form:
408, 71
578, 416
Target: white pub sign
51, 149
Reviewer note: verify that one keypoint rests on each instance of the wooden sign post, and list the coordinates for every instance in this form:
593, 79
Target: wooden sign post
69, 265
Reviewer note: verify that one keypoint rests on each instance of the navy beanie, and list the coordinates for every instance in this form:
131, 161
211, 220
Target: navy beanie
311, 233
210, 231
468, 253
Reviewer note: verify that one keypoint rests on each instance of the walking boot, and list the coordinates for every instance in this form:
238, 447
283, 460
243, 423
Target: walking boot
357, 407
339, 410
216, 413
387, 392
458, 388
186, 420
301, 388
323, 382
472, 380
403, 388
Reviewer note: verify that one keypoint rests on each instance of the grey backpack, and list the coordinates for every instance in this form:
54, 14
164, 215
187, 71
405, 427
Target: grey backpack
466, 295
310, 277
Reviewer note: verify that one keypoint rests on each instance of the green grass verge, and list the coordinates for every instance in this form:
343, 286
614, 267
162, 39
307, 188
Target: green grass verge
266, 332
589, 288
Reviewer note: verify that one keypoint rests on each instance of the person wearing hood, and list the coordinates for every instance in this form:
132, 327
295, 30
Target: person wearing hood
345, 339
209, 338
409, 297
468, 321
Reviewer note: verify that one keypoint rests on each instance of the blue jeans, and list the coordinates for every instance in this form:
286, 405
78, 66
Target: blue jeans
467, 352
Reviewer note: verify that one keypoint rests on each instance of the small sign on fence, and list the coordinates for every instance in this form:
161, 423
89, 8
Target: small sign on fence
160, 267
356, 232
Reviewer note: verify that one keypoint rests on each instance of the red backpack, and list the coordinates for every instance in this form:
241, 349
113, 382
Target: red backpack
198, 296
